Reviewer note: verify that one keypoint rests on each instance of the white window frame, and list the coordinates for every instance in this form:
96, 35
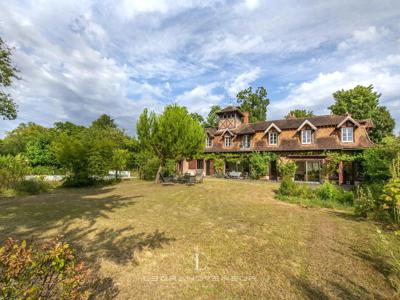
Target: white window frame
208, 142
306, 136
347, 134
228, 138
246, 142
273, 138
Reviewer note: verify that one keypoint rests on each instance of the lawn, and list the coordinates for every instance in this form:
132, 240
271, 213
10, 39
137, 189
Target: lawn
222, 239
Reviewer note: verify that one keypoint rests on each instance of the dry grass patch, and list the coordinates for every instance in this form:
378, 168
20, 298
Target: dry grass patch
143, 239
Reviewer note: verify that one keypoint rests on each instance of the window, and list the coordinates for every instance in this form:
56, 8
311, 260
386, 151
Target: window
306, 136
200, 164
273, 138
347, 134
228, 141
246, 141
208, 142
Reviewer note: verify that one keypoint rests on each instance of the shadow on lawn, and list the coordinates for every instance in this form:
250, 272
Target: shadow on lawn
73, 213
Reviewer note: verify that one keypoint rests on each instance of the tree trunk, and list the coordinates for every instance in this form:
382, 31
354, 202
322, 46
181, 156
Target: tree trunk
158, 173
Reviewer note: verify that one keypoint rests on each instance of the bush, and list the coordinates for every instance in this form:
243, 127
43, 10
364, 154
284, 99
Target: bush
365, 202
259, 165
78, 181
46, 170
13, 169
287, 169
331, 192
47, 272
169, 168
33, 186
390, 199
149, 169
219, 167
288, 187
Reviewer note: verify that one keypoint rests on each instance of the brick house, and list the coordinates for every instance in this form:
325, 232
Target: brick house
303, 140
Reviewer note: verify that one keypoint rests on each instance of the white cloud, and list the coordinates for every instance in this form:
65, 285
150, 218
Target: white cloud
242, 82
316, 94
200, 99
359, 37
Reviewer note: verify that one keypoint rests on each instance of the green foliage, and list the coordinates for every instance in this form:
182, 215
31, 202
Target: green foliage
33, 186
90, 153
169, 167
149, 169
120, 159
39, 151
212, 118
219, 165
197, 117
172, 135
363, 103
8, 108
331, 192
299, 113
326, 195
68, 128
287, 169
365, 203
104, 122
47, 272
390, 199
13, 169
255, 103
378, 159
259, 165
17, 140
288, 187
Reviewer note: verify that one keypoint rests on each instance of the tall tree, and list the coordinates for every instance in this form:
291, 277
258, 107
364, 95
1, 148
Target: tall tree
254, 102
362, 102
299, 113
199, 118
212, 118
104, 122
172, 135
8, 72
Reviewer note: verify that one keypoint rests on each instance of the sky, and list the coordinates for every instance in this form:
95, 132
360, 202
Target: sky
80, 59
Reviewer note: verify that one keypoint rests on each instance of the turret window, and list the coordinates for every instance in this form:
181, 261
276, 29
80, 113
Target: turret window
228, 141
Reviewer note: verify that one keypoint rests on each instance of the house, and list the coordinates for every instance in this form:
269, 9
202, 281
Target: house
306, 141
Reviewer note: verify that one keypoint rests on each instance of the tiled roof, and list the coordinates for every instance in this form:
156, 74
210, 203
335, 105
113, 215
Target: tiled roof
229, 109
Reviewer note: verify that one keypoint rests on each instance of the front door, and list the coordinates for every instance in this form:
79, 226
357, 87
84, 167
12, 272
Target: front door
208, 167
273, 174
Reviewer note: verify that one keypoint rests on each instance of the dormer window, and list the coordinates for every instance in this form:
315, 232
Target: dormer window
208, 142
347, 134
246, 141
273, 138
306, 136
228, 141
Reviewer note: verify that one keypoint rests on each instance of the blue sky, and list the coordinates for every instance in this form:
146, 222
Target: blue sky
80, 59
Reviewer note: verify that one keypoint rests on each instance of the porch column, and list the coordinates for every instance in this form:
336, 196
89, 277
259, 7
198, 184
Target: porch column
204, 167
340, 171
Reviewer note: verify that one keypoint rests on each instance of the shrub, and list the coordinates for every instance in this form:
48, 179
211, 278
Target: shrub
149, 169
365, 202
47, 272
33, 186
13, 169
78, 181
219, 167
259, 165
169, 167
331, 192
287, 169
288, 187
390, 199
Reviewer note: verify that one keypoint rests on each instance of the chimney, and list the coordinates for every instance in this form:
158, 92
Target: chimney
291, 116
246, 118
